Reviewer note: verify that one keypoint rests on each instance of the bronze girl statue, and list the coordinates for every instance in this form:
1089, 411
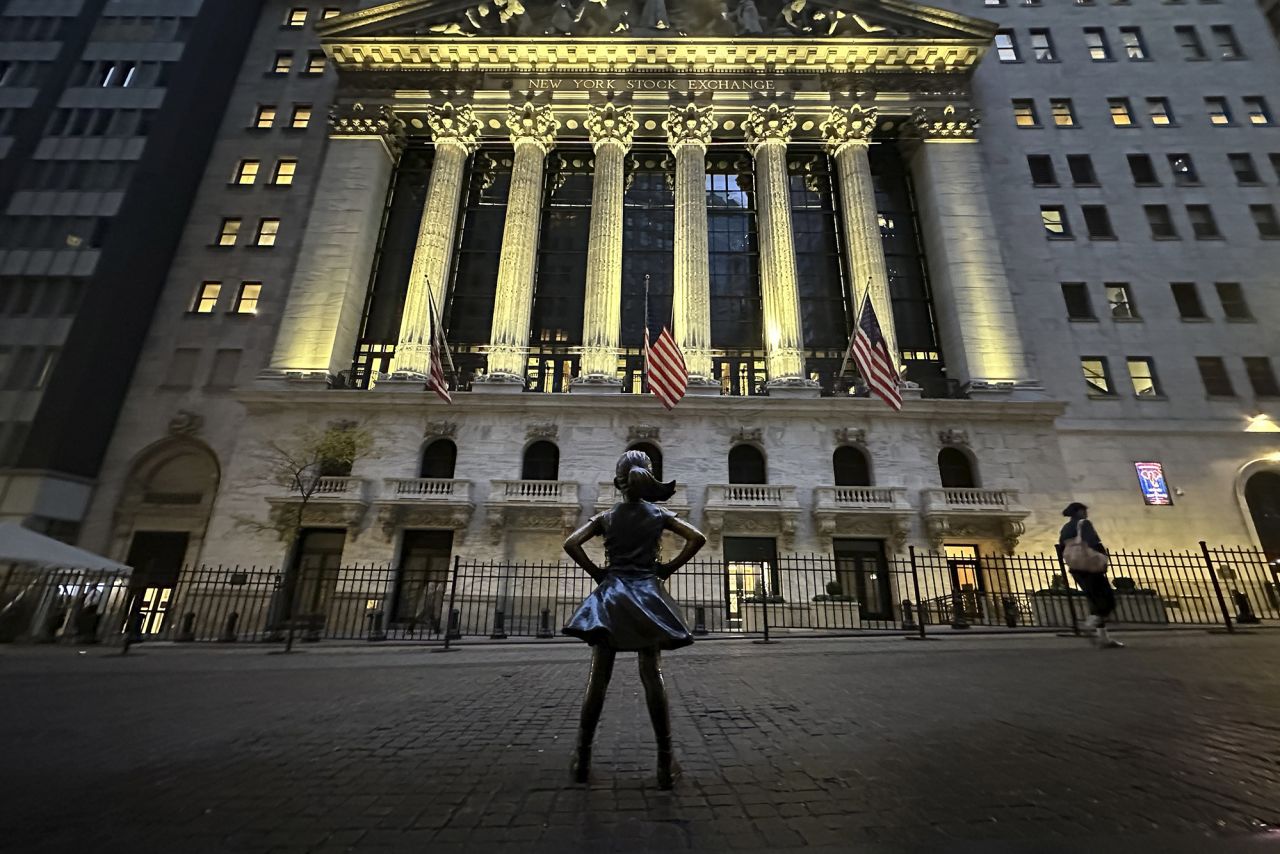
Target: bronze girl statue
630, 610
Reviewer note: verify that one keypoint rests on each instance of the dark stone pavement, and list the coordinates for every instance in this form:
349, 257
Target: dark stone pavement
1003, 744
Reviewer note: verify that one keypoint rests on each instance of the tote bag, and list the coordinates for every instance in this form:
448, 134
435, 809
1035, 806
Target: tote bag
1081, 556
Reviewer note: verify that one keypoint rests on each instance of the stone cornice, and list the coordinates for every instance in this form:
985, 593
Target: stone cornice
952, 123
353, 121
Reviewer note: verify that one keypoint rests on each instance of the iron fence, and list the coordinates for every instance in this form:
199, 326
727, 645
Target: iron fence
799, 594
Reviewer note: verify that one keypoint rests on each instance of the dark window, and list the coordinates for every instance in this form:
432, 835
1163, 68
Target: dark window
1144, 173
1190, 42
648, 236
560, 288
439, 459
1187, 299
1264, 217
541, 462
1076, 296
1224, 38
395, 252
1245, 171
655, 455
1274, 157
819, 275
733, 252
851, 467
1041, 167
1234, 306
1097, 222
1160, 221
746, 465
1213, 372
1261, 377
1203, 225
955, 469
1184, 170
475, 268
1081, 166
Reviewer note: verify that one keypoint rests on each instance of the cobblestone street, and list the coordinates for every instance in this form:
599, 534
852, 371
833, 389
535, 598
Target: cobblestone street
965, 744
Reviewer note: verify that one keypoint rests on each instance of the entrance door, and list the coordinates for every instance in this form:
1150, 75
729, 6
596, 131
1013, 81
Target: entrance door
750, 571
319, 559
421, 581
966, 583
156, 558
863, 573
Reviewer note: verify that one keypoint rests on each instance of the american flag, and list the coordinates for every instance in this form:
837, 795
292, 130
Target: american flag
871, 355
439, 353
664, 366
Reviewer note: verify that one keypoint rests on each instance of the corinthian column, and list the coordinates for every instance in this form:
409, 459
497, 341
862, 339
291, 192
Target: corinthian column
768, 130
455, 130
611, 128
688, 131
976, 317
533, 129
848, 134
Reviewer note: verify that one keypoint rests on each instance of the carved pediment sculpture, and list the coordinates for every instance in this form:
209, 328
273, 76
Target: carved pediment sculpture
544, 430
953, 436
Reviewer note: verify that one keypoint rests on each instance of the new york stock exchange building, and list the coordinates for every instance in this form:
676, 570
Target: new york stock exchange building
546, 180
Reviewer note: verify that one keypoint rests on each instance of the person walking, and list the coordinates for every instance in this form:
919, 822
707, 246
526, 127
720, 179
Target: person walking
1086, 558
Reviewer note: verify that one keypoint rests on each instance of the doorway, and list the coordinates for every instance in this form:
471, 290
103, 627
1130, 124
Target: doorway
318, 561
967, 585
1262, 494
156, 558
423, 576
863, 573
750, 572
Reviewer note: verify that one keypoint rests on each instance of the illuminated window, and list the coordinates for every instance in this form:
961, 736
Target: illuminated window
228, 233
1160, 112
1225, 39
1245, 171
1187, 299
265, 117
246, 172
283, 63
1120, 301
1063, 112
1097, 222
1081, 168
1095, 39
286, 167
1041, 167
1219, 112
296, 17
1261, 377
1134, 47
301, 116
206, 298
1264, 217
1256, 108
1121, 112
1042, 46
1160, 221
1213, 373
1096, 377
247, 301
267, 231
1231, 296
330, 12
1203, 225
1054, 220
1024, 113
1006, 47
315, 62
1142, 373
1184, 170
1192, 49
1144, 173
1076, 297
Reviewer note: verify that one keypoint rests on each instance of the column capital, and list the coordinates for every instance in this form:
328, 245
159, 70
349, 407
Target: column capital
454, 125
610, 124
689, 125
773, 123
849, 125
532, 123
952, 123
355, 121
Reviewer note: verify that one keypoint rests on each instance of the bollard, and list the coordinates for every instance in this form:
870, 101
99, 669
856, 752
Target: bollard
454, 630
908, 620
499, 625
229, 630
376, 631
699, 620
958, 620
544, 624
187, 633
1010, 611
1244, 609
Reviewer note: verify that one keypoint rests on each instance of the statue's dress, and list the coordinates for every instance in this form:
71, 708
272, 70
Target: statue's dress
631, 610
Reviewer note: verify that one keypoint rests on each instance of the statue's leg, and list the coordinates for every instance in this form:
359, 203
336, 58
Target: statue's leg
592, 705
655, 695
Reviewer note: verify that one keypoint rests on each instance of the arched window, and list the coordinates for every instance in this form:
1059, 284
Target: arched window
956, 469
541, 462
851, 467
746, 465
1262, 494
655, 456
438, 459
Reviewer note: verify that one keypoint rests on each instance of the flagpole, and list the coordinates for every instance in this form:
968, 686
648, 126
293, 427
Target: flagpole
644, 368
853, 332
438, 329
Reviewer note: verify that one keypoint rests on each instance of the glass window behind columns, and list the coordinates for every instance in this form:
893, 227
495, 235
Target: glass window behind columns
469, 314
648, 244
560, 283
734, 251
821, 283
908, 279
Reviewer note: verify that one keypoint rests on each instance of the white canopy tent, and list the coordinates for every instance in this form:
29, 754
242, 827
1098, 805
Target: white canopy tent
48, 581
